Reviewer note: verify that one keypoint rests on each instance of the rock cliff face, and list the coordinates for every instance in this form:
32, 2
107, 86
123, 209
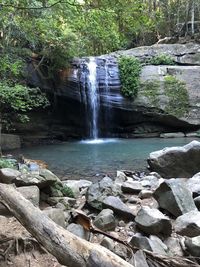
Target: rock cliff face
168, 98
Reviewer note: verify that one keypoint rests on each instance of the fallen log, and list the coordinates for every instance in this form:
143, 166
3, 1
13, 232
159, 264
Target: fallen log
69, 249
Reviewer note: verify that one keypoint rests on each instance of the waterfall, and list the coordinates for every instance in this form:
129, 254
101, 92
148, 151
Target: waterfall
93, 100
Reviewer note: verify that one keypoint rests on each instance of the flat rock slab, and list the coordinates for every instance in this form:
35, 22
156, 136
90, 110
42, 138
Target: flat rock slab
188, 224
173, 196
131, 187
152, 221
176, 161
115, 204
7, 175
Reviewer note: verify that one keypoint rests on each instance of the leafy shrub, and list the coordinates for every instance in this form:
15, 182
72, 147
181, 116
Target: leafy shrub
161, 60
129, 69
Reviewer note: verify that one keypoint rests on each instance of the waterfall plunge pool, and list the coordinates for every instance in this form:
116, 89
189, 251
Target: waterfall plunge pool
92, 159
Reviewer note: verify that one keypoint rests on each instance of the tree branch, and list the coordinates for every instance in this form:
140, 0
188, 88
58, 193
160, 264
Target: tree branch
42, 7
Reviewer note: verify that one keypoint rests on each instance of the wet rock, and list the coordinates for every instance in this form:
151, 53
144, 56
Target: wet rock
118, 207
57, 215
105, 220
152, 221
8, 175
193, 246
78, 230
176, 161
188, 224
31, 193
131, 187
173, 196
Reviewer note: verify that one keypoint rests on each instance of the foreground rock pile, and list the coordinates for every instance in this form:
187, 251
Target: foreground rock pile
147, 211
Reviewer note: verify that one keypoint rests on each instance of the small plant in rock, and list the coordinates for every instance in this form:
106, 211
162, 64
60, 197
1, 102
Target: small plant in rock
129, 69
161, 60
67, 192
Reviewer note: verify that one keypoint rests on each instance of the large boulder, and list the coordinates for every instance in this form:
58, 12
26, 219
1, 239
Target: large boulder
56, 215
152, 221
176, 161
43, 179
193, 245
173, 196
8, 175
188, 224
32, 193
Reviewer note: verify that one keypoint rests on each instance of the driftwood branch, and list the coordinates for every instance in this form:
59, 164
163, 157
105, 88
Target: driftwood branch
69, 249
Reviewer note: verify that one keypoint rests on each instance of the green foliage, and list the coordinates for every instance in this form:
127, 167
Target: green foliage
161, 60
66, 191
6, 163
150, 89
129, 69
16, 100
177, 93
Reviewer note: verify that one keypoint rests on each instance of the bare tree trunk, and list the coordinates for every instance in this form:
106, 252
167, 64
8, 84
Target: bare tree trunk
69, 249
192, 17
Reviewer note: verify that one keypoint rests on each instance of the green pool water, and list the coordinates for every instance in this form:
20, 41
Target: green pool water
83, 159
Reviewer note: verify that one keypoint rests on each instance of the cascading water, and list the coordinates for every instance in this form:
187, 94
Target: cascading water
93, 97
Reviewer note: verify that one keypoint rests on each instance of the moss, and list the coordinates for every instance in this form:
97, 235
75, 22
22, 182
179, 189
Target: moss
178, 97
151, 91
66, 191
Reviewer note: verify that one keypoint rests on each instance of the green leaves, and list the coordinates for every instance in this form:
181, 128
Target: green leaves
129, 68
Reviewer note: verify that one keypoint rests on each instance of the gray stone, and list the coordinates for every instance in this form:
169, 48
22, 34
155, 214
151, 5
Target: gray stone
193, 184
78, 230
173, 196
44, 179
172, 135
10, 141
193, 245
174, 246
176, 161
77, 185
145, 194
108, 243
152, 221
121, 177
131, 187
157, 245
188, 224
66, 201
105, 220
118, 207
31, 193
8, 175
141, 242
140, 259
57, 215
98, 191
